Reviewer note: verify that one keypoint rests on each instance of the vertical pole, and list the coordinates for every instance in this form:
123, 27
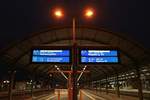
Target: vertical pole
81, 98
139, 83
73, 31
106, 85
52, 82
117, 86
74, 86
31, 89
12, 76
96, 86
69, 87
58, 94
100, 86
31, 81
89, 83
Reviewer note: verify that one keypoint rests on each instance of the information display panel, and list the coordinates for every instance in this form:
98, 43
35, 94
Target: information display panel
98, 56
51, 56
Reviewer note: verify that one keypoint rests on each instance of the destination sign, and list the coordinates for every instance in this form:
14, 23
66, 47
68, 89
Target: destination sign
51, 56
98, 53
99, 59
99, 56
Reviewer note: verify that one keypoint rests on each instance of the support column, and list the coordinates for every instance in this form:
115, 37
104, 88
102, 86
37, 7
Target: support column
96, 86
81, 95
49, 82
69, 87
32, 89
74, 68
58, 94
139, 84
31, 81
117, 86
100, 86
106, 85
52, 82
11, 78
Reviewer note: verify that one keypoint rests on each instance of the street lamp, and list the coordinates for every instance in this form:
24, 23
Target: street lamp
88, 13
58, 13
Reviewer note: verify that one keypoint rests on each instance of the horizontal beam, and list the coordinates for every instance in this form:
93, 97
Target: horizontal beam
69, 71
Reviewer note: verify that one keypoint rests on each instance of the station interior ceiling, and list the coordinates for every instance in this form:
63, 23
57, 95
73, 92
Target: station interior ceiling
132, 55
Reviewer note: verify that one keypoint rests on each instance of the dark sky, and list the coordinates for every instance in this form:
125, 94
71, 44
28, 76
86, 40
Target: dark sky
19, 18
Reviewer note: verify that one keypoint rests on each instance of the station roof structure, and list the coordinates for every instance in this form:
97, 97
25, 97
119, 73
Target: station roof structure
132, 55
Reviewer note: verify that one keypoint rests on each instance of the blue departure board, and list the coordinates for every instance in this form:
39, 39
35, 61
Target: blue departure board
51, 56
99, 56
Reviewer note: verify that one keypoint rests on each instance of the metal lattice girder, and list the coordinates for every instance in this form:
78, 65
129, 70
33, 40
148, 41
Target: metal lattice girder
130, 52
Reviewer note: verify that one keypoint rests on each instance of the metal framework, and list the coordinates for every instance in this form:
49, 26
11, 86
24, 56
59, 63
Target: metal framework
131, 53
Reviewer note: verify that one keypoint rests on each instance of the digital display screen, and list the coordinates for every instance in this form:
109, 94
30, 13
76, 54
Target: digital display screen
99, 53
51, 56
99, 56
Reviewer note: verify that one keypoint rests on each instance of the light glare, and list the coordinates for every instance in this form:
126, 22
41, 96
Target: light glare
58, 13
89, 13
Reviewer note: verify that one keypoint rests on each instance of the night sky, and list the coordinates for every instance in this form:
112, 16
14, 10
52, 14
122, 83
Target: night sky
19, 18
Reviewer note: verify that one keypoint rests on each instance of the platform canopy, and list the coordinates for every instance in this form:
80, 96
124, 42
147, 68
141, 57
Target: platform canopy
132, 55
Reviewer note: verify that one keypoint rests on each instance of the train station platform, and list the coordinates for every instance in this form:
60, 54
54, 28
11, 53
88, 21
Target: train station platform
98, 64
84, 94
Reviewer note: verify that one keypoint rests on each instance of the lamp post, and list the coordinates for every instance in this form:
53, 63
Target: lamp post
73, 81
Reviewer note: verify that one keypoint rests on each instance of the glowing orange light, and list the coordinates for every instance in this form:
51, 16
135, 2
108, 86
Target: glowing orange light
89, 13
58, 13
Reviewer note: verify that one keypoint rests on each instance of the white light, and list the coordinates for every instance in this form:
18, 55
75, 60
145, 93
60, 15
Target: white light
4, 82
100, 51
50, 75
144, 70
132, 73
57, 68
7, 81
123, 75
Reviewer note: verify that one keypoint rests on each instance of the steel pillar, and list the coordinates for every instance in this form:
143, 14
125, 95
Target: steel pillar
69, 87
100, 86
31, 81
106, 85
74, 76
74, 68
117, 86
11, 78
139, 84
